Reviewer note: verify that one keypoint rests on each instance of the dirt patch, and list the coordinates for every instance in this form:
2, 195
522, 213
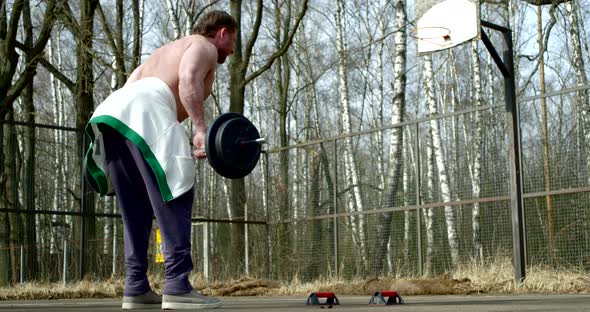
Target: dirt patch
242, 287
443, 285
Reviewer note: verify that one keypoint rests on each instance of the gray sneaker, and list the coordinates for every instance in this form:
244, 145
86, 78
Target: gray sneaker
191, 300
148, 300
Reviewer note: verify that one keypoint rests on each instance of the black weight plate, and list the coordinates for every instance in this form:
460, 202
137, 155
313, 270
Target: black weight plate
233, 144
214, 159
226, 149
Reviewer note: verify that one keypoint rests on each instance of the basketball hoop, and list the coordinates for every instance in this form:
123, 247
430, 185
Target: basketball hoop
435, 37
430, 33
442, 24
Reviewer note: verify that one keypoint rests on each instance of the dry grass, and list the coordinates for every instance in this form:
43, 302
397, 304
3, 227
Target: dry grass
498, 277
470, 278
84, 289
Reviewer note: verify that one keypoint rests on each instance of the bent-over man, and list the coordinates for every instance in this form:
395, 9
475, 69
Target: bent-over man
140, 152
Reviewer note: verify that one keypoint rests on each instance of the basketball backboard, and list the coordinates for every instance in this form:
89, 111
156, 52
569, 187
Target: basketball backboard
442, 24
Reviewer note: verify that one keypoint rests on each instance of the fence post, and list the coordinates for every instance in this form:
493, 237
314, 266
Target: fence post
418, 203
335, 185
22, 260
114, 263
246, 242
83, 212
266, 225
206, 250
65, 264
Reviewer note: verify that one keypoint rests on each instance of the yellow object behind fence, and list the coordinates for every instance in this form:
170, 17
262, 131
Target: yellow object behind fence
159, 253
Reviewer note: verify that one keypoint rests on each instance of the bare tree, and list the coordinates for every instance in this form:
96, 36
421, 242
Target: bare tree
83, 91
174, 19
239, 79
445, 191
474, 165
115, 41
395, 162
28, 142
354, 203
12, 83
583, 96
544, 134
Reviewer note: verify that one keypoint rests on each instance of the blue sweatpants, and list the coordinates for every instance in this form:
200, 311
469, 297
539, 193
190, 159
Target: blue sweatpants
140, 200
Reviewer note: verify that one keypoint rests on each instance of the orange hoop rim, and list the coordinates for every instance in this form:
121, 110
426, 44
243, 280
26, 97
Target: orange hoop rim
414, 32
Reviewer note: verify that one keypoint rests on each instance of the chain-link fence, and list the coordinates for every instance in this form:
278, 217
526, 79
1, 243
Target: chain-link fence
349, 206
342, 217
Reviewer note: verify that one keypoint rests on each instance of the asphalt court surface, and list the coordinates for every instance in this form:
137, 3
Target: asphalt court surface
347, 303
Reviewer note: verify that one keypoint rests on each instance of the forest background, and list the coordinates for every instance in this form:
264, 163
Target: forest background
381, 163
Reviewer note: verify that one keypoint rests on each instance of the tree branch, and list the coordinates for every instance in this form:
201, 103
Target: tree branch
205, 8
70, 20
45, 32
17, 8
136, 35
52, 69
546, 2
3, 21
283, 49
552, 12
36, 53
252, 40
57, 74
106, 28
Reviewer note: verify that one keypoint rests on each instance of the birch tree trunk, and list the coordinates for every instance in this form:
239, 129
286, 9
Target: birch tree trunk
58, 150
408, 165
438, 151
429, 212
475, 164
354, 195
583, 96
379, 119
109, 203
173, 17
395, 161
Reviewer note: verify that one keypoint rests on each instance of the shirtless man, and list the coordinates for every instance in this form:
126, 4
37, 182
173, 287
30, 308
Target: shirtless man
193, 61
140, 152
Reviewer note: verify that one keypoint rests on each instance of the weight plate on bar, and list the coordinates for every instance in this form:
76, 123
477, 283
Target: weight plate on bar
230, 147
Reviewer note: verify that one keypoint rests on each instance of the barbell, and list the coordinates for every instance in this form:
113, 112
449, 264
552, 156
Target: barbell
232, 145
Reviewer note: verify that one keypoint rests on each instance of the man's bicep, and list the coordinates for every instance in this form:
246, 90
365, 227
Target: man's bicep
193, 70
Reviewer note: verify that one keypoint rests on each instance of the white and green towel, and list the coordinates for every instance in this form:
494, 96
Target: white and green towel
145, 113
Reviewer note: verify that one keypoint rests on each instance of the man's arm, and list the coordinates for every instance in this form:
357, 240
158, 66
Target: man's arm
197, 62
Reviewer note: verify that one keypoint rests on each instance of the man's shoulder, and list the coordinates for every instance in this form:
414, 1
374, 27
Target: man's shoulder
201, 43
199, 40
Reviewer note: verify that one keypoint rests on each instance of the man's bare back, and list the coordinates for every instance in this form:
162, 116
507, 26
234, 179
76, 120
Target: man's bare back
164, 63
187, 66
